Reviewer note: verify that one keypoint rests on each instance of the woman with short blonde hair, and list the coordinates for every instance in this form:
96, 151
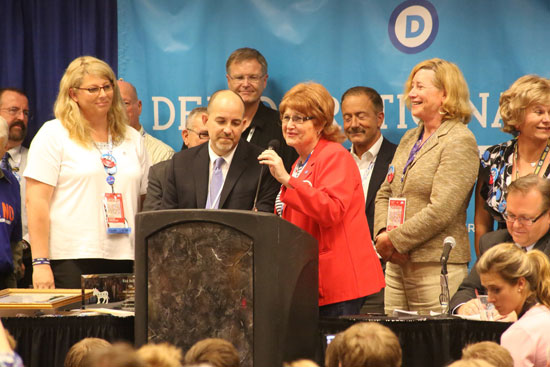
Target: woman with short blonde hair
525, 112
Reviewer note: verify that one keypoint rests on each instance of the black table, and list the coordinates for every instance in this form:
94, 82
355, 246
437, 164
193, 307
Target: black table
44, 341
429, 341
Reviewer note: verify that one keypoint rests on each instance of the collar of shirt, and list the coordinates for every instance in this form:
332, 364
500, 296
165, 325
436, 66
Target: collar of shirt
369, 155
15, 156
213, 156
527, 248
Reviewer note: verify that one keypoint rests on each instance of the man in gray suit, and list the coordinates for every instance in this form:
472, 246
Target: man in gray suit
528, 226
195, 133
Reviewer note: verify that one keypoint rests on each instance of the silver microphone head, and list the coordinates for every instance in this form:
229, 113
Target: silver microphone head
450, 240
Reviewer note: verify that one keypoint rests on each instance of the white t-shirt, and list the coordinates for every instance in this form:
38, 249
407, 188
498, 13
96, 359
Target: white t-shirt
77, 217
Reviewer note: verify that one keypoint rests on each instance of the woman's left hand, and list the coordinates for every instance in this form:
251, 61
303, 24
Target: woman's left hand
385, 248
276, 165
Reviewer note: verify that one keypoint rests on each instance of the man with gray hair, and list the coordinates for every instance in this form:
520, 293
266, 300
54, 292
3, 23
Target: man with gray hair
195, 133
10, 214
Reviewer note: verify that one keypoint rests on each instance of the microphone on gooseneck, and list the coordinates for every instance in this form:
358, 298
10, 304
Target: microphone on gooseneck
448, 244
272, 145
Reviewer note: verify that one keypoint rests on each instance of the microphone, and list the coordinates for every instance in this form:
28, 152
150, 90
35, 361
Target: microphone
272, 145
448, 244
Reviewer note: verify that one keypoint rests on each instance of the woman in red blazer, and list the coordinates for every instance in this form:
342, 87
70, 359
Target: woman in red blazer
323, 195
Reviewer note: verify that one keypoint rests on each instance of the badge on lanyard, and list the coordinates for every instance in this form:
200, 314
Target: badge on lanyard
114, 213
396, 213
112, 201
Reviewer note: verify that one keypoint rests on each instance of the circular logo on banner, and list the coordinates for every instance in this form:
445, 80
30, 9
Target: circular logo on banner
413, 26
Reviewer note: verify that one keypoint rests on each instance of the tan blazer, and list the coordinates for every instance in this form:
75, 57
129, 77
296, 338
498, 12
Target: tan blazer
437, 185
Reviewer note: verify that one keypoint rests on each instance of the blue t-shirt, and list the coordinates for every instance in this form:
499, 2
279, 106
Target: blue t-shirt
10, 218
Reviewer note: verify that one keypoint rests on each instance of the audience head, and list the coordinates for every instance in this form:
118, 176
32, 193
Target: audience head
442, 82
246, 73
490, 352
471, 363
129, 96
331, 354
301, 363
224, 122
160, 355
369, 344
14, 108
522, 102
363, 112
214, 351
88, 90
312, 101
116, 355
195, 132
527, 209
81, 350
512, 276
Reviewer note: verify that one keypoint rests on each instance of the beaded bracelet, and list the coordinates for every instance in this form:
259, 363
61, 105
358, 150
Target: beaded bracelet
40, 261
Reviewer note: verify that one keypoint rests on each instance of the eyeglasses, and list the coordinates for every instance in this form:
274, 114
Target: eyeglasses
296, 119
201, 134
521, 220
95, 90
242, 78
14, 111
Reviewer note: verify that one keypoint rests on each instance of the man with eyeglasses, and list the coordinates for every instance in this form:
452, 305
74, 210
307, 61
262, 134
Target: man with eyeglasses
528, 226
10, 216
363, 112
157, 150
14, 108
195, 133
246, 70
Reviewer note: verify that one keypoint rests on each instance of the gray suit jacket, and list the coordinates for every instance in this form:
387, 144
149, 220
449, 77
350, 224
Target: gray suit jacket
156, 178
466, 290
437, 185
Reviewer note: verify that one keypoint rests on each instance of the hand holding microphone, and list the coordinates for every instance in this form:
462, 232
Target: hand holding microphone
276, 166
271, 155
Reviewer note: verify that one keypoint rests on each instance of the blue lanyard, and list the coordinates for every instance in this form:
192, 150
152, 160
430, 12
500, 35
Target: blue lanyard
415, 149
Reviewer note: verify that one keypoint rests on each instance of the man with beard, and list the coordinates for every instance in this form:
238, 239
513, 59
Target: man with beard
363, 112
14, 108
246, 70
10, 215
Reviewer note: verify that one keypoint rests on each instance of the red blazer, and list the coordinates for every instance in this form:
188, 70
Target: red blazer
328, 202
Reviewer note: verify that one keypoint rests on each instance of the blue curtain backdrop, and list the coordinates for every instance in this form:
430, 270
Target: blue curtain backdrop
40, 38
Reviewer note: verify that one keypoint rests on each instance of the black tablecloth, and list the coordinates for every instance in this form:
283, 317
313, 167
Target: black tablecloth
429, 341
45, 341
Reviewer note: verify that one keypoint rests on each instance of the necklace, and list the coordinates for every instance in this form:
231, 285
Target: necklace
532, 164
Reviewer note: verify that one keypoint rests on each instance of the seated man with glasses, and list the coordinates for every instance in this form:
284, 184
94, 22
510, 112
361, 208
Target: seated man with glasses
528, 226
247, 75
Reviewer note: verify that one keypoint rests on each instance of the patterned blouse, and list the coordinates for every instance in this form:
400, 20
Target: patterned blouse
496, 175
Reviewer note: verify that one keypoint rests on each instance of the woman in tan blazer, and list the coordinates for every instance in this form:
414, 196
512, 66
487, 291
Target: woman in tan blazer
434, 169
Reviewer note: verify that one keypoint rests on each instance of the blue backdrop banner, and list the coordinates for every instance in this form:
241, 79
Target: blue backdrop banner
175, 52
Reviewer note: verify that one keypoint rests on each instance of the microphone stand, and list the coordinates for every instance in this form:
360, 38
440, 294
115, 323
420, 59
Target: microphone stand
444, 297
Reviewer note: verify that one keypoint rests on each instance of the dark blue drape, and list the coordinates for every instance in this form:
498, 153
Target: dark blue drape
38, 39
